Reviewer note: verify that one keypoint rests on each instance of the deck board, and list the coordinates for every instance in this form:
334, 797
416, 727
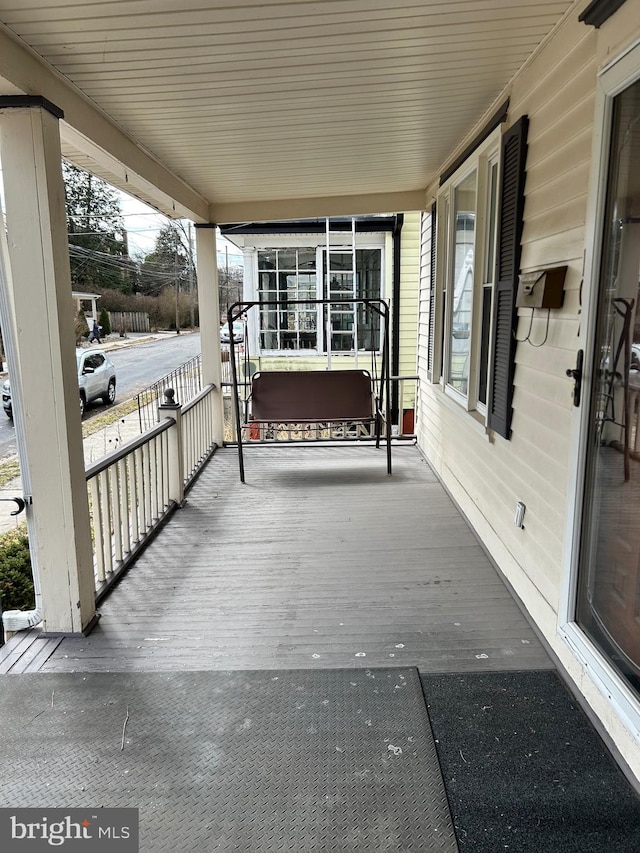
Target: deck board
319, 560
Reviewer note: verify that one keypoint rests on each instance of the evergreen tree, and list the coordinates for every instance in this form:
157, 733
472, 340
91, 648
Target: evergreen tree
97, 238
104, 323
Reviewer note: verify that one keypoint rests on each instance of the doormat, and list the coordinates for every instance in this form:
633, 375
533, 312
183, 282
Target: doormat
290, 760
525, 770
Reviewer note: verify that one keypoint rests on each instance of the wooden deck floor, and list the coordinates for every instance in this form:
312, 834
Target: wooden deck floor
319, 560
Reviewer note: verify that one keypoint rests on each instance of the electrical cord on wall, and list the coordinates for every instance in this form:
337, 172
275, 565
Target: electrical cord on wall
528, 340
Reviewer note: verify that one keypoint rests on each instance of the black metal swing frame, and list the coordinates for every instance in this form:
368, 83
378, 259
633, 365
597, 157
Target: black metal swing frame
380, 413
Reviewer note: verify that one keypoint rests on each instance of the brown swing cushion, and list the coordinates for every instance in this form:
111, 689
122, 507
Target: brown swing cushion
289, 396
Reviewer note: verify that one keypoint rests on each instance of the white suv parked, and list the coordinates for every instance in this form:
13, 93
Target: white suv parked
96, 380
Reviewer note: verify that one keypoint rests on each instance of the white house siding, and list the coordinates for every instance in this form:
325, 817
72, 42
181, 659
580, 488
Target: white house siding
486, 474
317, 362
409, 267
422, 356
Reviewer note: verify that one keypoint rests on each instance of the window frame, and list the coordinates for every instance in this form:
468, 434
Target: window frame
341, 243
359, 284
297, 310
482, 160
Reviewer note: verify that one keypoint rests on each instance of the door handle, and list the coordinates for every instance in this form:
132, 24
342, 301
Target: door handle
575, 373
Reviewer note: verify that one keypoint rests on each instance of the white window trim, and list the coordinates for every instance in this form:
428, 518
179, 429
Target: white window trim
320, 255
491, 158
487, 152
614, 79
280, 245
373, 240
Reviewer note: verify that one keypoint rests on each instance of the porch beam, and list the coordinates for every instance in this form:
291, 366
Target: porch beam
43, 369
312, 208
209, 313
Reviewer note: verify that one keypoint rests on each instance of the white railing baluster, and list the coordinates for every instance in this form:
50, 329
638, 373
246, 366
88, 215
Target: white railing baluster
125, 513
146, 478
187, 438
96, 518
136, 494
164, 469
153, 478
192, 438
163, 485
114, 480
107, 527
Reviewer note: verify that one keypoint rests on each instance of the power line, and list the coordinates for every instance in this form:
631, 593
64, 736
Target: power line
112, 216
155, 280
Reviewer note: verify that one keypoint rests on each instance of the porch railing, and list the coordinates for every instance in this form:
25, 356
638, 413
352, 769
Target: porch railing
186, 382
197, 429
134, 490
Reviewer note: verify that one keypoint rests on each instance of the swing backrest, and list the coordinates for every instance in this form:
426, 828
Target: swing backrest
306, 396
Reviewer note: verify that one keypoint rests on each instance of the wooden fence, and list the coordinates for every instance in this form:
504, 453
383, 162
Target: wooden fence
129, 321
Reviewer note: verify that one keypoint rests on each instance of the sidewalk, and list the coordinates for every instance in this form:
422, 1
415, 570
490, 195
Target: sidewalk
98, 444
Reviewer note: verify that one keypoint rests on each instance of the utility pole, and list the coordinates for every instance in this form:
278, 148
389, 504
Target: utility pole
227, 286
175, 273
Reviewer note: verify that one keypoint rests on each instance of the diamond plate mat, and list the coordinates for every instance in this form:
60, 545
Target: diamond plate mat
290, 760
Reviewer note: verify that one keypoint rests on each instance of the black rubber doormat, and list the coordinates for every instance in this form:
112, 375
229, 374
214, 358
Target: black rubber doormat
292, 760
524, 769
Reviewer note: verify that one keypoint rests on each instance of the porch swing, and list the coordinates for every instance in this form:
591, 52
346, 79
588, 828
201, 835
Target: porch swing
329, 398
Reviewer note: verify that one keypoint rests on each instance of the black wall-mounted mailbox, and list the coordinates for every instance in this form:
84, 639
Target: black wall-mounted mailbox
541, 288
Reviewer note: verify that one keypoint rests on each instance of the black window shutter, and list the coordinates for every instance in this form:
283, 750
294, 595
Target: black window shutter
432, 294
510, 221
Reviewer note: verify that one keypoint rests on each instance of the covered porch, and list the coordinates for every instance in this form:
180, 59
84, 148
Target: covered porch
321, 572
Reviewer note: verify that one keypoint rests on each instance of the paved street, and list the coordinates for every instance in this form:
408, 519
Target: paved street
156, 355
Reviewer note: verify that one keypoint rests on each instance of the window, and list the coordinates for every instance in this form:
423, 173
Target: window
93, 361
468, 236
287, 276
353, 326
460, 287
290, 276
479, 229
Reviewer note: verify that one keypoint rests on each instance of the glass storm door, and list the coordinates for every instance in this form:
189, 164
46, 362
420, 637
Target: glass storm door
608, 600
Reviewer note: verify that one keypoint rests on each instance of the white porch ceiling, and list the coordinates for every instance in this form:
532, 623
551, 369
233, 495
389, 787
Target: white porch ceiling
265, 108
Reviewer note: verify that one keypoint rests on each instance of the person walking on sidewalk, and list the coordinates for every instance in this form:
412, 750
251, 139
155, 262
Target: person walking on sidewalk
95, 333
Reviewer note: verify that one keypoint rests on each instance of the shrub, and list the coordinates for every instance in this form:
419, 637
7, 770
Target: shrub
16, 580
81, 327
104, 323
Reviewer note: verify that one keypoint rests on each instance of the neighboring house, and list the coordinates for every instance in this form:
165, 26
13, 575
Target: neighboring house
80, 298
530, 264
287, 261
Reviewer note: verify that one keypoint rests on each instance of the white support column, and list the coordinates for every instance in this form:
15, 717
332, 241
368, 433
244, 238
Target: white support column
43, 365
209, 312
